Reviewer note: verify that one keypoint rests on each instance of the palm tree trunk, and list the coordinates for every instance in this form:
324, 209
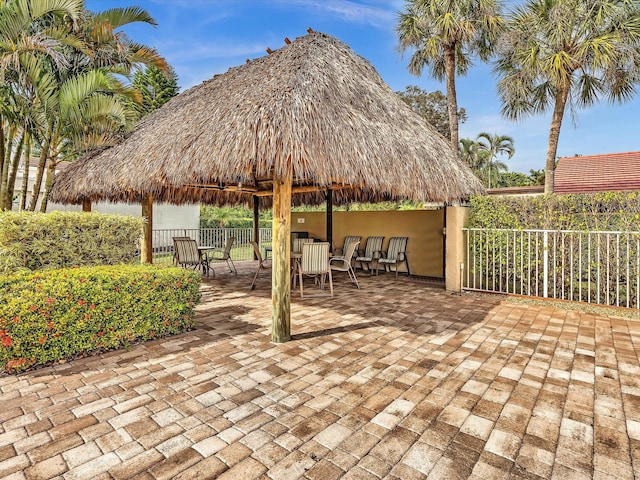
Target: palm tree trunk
4, 174
13, 172
452, 100
37, 183
2, 149
51, 174
554, 136
24, 190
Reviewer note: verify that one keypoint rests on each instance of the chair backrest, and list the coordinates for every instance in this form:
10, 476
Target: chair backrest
256, 250
349, 239
350, 248
186, 250
296, 246
397, 245
374, 244
315, 258
228, 245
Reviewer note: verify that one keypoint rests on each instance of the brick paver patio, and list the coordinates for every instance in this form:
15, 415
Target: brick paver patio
399, 380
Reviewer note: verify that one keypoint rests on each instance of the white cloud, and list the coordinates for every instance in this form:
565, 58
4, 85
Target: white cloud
362, 13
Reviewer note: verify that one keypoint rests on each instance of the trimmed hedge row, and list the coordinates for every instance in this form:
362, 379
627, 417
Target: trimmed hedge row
597, 211
57, 314
36, 241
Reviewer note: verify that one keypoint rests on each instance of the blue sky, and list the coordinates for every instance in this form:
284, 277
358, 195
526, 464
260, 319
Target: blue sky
201, 38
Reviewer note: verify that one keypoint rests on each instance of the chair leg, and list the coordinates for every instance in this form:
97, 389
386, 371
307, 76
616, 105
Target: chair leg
301, 284
232, 267
255, 277
352, 276
330, 282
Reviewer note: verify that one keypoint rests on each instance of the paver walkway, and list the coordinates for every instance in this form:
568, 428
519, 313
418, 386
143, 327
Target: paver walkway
397, 380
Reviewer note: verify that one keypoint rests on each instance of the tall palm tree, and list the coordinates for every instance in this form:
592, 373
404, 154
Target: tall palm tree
94, 107
495, 145
28, 32
568, 53
444, 36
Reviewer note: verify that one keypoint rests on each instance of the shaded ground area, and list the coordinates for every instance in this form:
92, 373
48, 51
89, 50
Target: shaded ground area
397, 380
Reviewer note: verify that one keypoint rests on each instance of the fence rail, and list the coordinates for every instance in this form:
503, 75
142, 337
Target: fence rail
600, 267
209, 237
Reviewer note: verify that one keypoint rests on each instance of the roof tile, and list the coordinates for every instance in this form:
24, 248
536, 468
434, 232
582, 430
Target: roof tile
598, 173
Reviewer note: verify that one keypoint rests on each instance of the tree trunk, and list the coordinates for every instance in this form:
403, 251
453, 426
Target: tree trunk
2, 149
281, 263
37, 182
4, 174
554, 136
452, 100
24, 190
13, 172
51, 175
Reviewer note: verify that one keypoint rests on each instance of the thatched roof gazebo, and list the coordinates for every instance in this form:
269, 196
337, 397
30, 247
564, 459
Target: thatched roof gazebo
309, 118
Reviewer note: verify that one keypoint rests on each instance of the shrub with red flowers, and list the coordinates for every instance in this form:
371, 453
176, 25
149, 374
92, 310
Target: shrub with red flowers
51, 315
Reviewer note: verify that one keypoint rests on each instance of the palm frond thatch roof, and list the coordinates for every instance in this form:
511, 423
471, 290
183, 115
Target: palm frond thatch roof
313, 109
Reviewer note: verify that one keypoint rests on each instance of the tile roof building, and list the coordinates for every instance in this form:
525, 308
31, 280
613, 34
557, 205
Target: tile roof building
598, 173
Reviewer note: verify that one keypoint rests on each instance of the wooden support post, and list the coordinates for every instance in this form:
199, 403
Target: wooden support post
281, 263
86, 205
256, 222
146, 250
329, 217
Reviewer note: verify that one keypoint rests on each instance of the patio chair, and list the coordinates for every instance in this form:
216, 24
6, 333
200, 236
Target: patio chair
342, 263
395, 255
175, 250
187, 254
296, 244
315, 263
262, 264
347, 240
371, 253
223, 255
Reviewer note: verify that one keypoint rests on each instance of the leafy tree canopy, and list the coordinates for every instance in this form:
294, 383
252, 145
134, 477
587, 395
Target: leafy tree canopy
432, 106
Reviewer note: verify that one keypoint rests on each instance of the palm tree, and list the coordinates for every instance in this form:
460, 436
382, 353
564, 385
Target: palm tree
93, 107
28, 33
468, 153
495, 145
445, 35
568, 53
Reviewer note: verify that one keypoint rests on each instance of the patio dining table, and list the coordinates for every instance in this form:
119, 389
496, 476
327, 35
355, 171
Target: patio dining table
203, 254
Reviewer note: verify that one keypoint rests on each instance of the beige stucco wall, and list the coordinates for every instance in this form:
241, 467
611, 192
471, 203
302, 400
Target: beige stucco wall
423, 227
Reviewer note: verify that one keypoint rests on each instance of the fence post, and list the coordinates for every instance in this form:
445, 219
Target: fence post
545, 268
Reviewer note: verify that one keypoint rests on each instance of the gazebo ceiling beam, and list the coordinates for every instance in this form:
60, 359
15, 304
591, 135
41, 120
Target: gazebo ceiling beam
258, 192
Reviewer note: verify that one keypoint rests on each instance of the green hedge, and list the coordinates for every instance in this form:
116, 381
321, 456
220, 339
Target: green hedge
55, 314
598, 211
36, 241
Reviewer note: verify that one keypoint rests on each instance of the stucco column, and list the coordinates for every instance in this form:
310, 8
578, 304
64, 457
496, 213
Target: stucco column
456, 248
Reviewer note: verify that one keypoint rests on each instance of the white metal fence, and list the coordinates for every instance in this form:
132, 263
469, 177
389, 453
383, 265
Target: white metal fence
210, 237
596, 267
